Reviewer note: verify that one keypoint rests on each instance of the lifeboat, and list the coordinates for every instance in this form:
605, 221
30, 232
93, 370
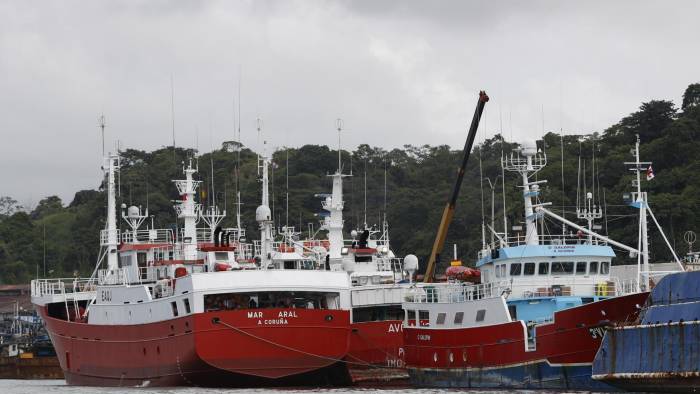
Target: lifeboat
457, 271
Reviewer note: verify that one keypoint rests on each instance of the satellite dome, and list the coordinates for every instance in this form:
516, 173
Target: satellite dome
263, 214
353, 233
529, 148
410, 263
133, 212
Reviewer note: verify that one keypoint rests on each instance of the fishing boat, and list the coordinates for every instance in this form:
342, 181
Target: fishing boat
539, 315
658, 351
197, 309
378, 281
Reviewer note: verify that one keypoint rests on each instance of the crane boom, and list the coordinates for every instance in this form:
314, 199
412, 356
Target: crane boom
449, 210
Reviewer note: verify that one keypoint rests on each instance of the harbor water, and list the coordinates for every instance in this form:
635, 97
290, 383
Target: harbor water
60, 387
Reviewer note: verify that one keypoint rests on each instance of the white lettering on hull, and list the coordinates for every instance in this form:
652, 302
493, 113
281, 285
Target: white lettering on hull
281, 319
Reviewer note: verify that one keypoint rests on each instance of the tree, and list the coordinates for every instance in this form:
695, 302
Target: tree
47, 206
691, 96
8, 206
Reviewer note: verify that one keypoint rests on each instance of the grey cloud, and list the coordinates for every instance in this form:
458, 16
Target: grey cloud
398, 73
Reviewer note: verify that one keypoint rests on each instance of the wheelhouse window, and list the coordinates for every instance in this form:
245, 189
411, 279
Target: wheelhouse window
186, 303
271, 299
604, 268
581, 268
501, 271
593, 268
441, 318
424, 317
411, 317
459, 317
543, 268
377, 313
221, 256
141, 259
480, 315
562, 268
529, 269
124, 261
515, 269
173, 306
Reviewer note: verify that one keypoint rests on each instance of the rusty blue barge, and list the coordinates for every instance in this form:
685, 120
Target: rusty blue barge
662, 351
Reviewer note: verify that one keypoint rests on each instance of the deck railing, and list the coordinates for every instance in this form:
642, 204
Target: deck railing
455, 292
62, 286
148, 236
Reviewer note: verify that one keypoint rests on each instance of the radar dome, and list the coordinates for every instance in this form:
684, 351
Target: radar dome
263, 214
529, 148
133, 212
353, 233
410, 263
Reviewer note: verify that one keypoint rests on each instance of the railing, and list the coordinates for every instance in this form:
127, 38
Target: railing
119, 276
147, 274
456, 292
204, 234
148, 236
104, 236
544, 239
244, 251
393, 264
64, 286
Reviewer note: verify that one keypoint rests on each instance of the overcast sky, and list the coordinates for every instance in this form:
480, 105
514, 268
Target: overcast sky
404, 72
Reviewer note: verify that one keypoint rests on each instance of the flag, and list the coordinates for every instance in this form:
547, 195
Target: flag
650, 173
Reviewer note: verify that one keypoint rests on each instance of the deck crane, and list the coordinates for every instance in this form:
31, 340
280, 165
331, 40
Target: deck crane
449, 210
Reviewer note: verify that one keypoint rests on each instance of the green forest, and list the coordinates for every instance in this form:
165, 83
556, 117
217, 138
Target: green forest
408, 186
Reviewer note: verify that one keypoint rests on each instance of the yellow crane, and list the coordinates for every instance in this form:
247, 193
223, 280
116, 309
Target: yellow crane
449, 210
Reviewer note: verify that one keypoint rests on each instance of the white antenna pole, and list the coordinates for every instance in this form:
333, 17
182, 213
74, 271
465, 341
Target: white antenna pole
563, 194
365, 193
287, 192
641, 199
339, 127
172, 109
102, 125
481, 184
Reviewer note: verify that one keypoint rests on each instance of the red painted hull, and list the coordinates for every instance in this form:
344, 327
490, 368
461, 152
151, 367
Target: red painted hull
572, 339
376, 354
225, 348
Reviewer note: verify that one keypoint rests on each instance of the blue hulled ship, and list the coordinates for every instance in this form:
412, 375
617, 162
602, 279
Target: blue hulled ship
662, 351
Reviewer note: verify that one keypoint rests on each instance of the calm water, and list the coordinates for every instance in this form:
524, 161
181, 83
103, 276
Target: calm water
59, 386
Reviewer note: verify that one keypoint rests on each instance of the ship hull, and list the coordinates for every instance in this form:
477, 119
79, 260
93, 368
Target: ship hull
660, 357
376, 355
662, 352
242, 348
499, 356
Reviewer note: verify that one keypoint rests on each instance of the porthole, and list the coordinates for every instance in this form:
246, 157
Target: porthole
435, 357
452, 357
464, 356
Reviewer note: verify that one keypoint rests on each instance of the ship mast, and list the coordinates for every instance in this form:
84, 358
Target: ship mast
263, 215
111, 166
189, 211
527, 162
334, 205
640, 202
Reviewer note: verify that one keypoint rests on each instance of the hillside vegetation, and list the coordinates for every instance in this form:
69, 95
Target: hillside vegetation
418, 181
